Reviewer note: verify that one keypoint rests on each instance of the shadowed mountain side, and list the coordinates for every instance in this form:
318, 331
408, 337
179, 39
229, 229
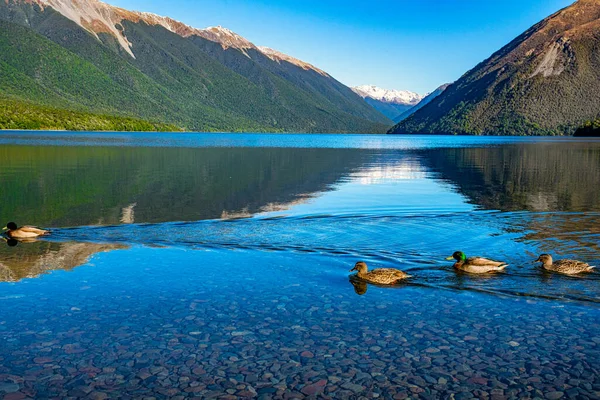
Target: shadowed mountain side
534, 177
279, 77
70, 186
29, 260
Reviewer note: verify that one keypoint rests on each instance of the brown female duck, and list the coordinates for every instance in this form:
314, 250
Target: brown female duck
567, 267
381, 276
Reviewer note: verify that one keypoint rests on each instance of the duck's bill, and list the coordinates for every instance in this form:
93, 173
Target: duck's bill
449, 258
5, 228
353, 269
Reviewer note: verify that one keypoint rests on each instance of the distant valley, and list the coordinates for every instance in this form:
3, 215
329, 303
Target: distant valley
397, 105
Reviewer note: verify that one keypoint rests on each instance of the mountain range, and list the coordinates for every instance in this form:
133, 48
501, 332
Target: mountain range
85, 64
544, 82
391, 103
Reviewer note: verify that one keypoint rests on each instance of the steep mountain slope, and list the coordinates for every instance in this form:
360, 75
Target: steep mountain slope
426, 100
545, 82
391, 103
88, 56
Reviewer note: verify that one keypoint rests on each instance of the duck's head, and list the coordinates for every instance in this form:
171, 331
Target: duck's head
360, 266
545, 259
11, 226
458, 256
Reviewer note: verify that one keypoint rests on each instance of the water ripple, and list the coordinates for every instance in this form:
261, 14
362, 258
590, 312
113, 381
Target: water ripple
417, 244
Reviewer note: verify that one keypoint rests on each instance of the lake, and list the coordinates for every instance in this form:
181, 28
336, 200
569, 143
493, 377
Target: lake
217, 266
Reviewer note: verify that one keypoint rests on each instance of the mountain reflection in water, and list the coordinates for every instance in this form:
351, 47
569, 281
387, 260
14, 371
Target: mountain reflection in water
523, 177
71, 186
29, 260
388, 206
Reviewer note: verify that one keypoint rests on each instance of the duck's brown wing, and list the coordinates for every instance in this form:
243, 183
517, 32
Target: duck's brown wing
571, 266
386, 276
33, 230
480, 269
484, 262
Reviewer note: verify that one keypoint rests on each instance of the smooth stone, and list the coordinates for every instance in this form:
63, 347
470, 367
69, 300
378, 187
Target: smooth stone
42, 360
353, 387
15, 396
98, 396
315, 388
9, 387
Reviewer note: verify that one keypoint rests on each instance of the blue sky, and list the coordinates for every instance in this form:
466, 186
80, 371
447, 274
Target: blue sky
396, 44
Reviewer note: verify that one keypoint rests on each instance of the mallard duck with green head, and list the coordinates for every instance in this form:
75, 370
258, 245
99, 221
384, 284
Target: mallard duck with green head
567, 267
380, 276
476, 265
24, 232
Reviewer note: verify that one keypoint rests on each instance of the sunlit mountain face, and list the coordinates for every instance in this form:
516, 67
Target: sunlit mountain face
87, 65
544, 82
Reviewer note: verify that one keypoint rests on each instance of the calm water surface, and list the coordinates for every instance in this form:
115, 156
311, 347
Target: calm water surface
217, 266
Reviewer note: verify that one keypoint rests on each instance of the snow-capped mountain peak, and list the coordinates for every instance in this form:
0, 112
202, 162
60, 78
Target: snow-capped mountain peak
389, 95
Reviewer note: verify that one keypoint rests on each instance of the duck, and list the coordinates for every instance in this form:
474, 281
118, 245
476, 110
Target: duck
567, 267
381, 276
24, 232
476, 265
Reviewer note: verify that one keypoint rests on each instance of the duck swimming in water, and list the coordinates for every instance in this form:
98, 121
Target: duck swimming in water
381, 276
24, 232
567, 267
476, 265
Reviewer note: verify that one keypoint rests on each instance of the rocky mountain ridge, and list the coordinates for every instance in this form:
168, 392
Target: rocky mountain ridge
544, 82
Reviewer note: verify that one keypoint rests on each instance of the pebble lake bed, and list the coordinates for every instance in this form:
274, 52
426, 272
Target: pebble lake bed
217, 266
